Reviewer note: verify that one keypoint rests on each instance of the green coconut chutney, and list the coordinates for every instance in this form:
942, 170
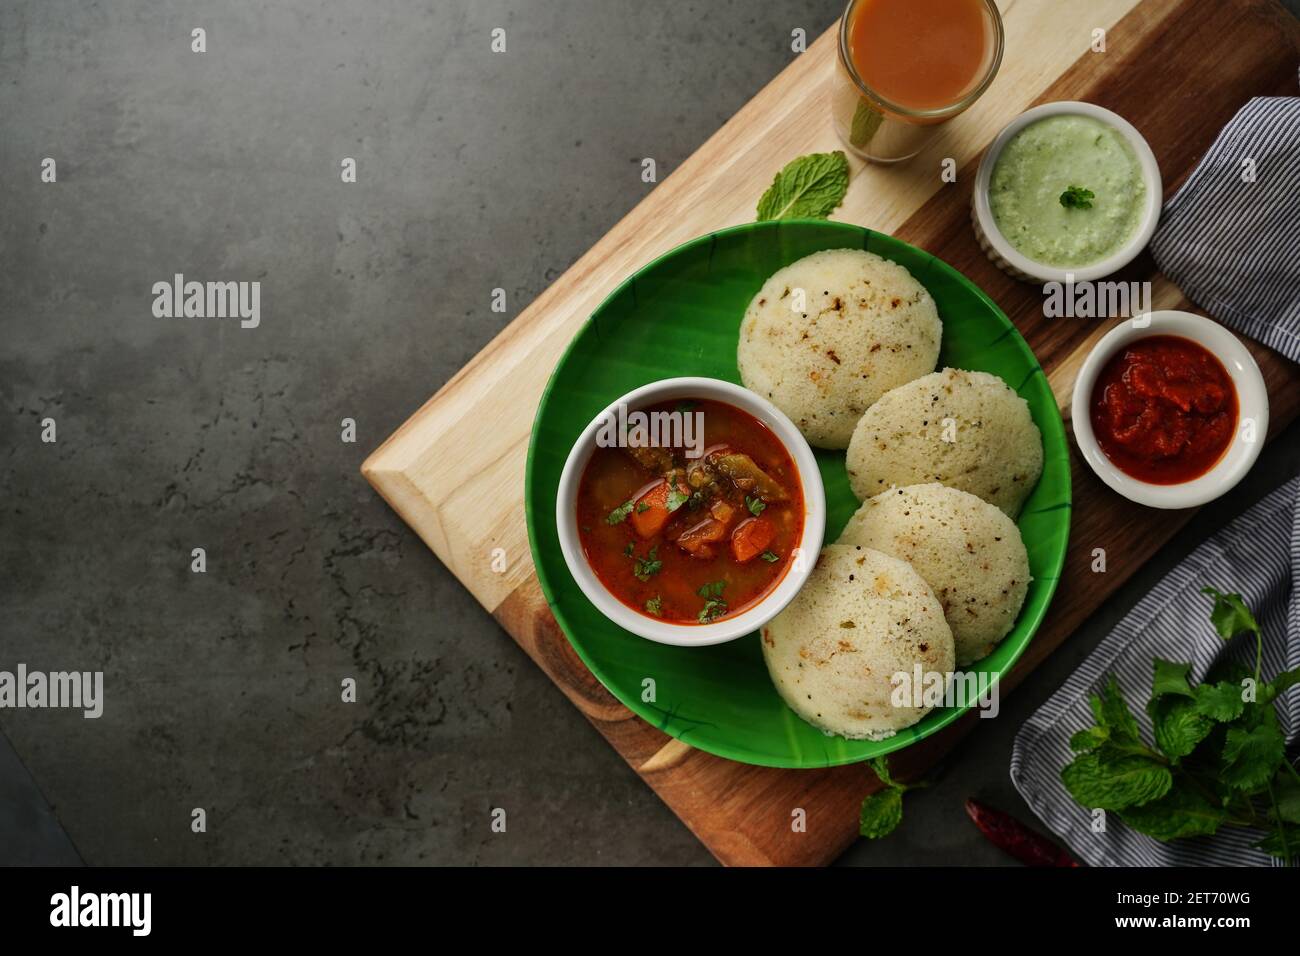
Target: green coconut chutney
1043, 161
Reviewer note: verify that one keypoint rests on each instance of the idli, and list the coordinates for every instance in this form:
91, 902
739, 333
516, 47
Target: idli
968, 551
966, 430
828, 335
835, 652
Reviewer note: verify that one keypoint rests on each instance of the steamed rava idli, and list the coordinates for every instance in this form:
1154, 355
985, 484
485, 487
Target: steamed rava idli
966, 430
828, 335
968, 551
835, 652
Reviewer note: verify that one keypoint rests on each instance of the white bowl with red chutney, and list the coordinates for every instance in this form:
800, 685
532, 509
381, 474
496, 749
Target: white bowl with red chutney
1170, 412
690, 511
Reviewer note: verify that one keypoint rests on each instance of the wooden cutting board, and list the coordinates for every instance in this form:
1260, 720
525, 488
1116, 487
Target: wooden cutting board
1177, 69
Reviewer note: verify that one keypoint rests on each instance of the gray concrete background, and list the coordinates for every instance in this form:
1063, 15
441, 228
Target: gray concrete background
476, 170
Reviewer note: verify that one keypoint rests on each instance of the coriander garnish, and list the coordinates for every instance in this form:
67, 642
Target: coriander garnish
619, 514
648, 565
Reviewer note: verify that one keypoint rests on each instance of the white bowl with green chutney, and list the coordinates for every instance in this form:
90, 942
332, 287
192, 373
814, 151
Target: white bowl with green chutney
1068, 191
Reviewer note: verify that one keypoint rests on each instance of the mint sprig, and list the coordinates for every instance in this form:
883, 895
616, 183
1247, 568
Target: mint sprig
1219, 757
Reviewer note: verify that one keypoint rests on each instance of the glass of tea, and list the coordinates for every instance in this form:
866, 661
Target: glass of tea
906, 66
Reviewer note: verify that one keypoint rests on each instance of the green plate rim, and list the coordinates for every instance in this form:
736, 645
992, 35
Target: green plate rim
1053, 435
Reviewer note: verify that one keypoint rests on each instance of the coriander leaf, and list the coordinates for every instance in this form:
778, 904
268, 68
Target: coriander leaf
1115, 784
1089, 739
619, 514
648, 565
629, 549
711, 590
1221, 701
686, 406
1251, 757
1230, 616
1178, 725
655, 605
881, 812
1170, 678
756, 505
808, 187
712, 609
676, 499
642, 506
1279, 684
770, 557
1076, 197
1286, 788
1179, 813
1272, 844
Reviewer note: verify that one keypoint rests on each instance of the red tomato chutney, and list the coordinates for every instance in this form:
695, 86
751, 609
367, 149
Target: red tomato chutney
1164, 409
692, 540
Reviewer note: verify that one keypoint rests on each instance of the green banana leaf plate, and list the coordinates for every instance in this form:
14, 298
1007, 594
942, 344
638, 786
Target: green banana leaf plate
680, 315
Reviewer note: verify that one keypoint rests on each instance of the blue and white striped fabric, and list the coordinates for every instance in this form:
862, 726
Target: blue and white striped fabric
1257, 555
1233, 245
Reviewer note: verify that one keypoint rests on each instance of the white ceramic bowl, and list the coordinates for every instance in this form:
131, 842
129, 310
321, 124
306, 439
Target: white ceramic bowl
1252, 405
1015, 263
728, 628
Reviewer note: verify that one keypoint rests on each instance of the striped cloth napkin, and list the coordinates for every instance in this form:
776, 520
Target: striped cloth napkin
1233, 246
1230, 238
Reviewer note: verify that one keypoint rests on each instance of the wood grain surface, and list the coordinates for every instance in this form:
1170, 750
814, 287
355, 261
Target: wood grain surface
1177, 69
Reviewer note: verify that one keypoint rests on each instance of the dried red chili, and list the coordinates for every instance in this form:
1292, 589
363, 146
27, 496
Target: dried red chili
1009, 834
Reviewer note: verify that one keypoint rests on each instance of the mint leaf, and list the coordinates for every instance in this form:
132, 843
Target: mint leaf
881, 812
1230, 616
1115, 784
808, 187
1170, 678
866, 120
1179, 813
1112, 713
1089, 739
619, 514
1076, 197
1251, 757
880, 767
1221, 701
1178, 725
